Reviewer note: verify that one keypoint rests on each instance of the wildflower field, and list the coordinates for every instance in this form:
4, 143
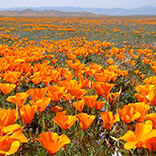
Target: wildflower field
78, 86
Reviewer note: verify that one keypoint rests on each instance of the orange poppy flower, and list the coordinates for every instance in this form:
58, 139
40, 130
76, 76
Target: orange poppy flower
64, 121
52, 142
56, 92
141, 98
136, 71
8, 146
109, 119
37, 93
65, 73
25, 68
79, 105
46, 75
103, 89
142, 76
124, 73
154, 69
85, 120
12, 77
6, 88
113, 97
143, 132
110, 61
78, 66
150, 80
71, 56
152, 96
42, 103
150, 144
70, 84
101, 77
90, 100
54, 61
36, 78
77, 92
19, 99
15, 132
84, 82
10, 139
144, 89
99, 104
67, 97
54, 76
27, 113
132, 62
92, 69
106, 75
7, 117
128, 114
142, 108
152, 117
135, 56
131, 112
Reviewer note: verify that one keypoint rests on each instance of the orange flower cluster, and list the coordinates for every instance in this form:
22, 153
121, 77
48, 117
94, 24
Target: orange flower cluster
11, 134
74, 84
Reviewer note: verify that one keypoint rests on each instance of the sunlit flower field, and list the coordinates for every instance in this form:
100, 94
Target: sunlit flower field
78, 86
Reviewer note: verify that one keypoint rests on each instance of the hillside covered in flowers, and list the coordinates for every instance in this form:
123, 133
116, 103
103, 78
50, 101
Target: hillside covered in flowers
77, 86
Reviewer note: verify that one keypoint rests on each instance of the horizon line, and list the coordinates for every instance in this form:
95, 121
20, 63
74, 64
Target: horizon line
75, 7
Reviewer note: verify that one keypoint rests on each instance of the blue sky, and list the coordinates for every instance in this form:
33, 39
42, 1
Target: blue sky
77, 3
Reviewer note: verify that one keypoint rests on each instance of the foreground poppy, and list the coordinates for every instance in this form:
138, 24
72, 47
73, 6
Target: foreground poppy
27, 113
128, 114
109, 119
138, 139
151, 144
52, 142
141, 98
64, 121
84, 82
152, 96
11, 138
6, 88
8, 146
142, 108
14, 131
152, 117
133, 111
103, 89
42, 103
7, 117
79, 105
37, 93
90, 100
56, 92
113, 97
12, 77
18, 99
85, 120
77, 92
99, 104
144, 89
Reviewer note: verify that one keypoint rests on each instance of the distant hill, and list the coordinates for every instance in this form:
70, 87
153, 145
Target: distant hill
47, 13
77, 11
145, 10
